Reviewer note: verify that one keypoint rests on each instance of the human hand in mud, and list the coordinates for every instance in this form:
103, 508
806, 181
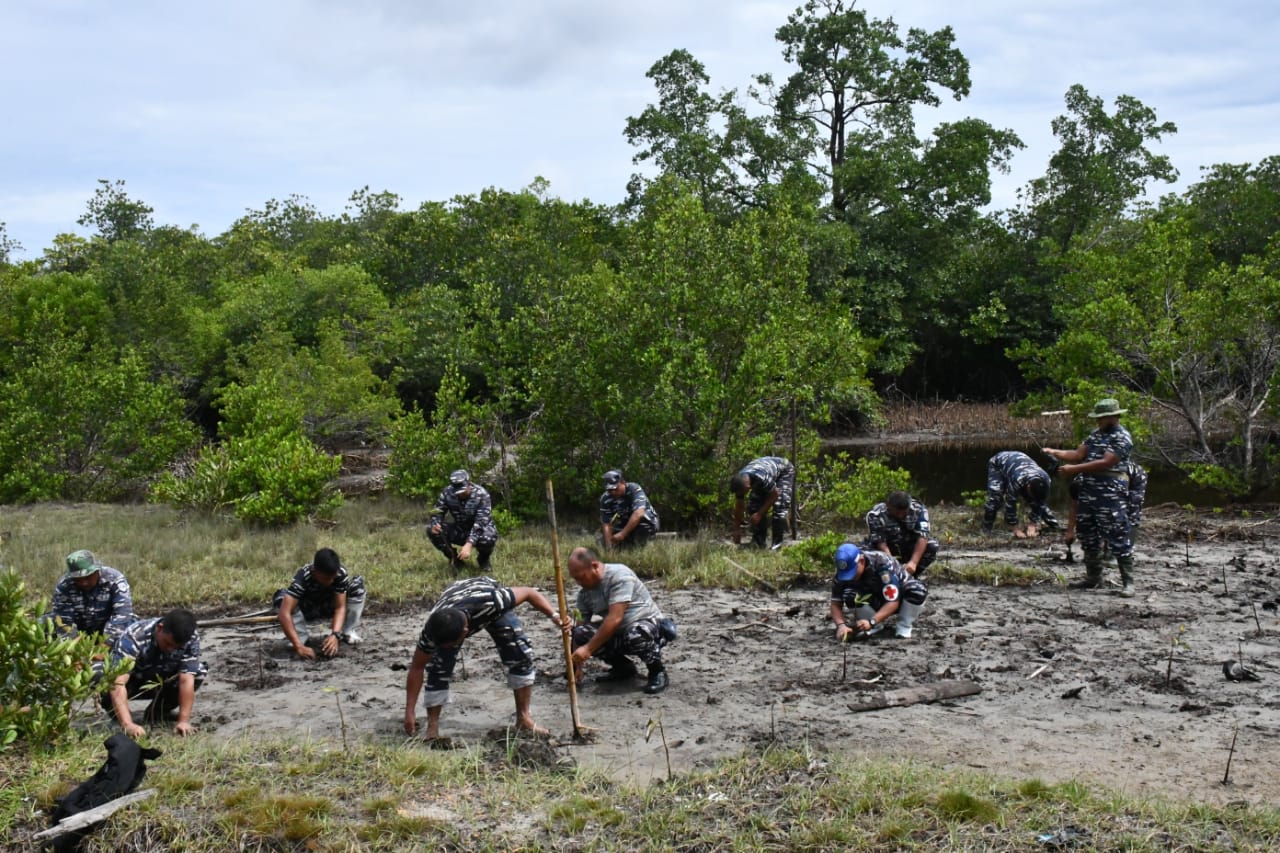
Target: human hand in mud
305, 652
843, 632
329, 647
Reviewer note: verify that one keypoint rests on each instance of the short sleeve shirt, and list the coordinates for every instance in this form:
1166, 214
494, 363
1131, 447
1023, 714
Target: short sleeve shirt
619, 584
484, 600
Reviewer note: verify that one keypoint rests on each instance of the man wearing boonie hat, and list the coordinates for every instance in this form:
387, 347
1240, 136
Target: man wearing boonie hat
91, 599
470, 525
1102, 514
873, 587
627, 519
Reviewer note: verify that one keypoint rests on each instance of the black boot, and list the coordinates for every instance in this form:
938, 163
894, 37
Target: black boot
779, 532
657, 679
1092, 571
1125, 564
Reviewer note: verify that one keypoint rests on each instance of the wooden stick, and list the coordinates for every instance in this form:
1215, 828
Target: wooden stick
753, 576
915, 695
80, 820
1038, 671
578, 733
1226, 775
237, 620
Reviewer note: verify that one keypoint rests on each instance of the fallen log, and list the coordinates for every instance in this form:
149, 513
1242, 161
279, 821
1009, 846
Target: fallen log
236, 620
916, 695
100, 813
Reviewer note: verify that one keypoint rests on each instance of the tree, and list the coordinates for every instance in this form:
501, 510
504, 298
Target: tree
1101, 167
1136, 316
115, 215
710, 141
685, 361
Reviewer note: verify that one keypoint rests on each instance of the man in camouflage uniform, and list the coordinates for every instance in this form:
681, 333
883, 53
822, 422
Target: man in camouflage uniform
899, 526
767, 485
166, 669
1011, 476
874, 588
1135, 501
464, 608
322, 590
91, 599
1102, 515
627, 519
471, 522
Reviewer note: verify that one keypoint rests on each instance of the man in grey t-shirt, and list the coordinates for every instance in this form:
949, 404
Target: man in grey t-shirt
631, 625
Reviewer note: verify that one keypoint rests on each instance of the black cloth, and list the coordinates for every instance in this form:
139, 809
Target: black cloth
120, 774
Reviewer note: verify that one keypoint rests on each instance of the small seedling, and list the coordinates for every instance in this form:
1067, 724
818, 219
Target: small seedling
1176, 643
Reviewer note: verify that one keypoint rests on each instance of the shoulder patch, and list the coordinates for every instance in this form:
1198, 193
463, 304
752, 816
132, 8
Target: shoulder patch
890, 593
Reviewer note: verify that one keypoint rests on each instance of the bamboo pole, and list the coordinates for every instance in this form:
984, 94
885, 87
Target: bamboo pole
578, 732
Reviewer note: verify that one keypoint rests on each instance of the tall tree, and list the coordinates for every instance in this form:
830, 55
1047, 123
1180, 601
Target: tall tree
115, 215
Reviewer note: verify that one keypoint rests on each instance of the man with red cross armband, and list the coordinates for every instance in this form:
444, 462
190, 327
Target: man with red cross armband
873, 588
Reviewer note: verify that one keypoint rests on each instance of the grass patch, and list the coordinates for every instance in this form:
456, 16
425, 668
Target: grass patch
795, 799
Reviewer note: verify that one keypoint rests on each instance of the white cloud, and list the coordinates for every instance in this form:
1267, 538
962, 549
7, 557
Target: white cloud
206, 110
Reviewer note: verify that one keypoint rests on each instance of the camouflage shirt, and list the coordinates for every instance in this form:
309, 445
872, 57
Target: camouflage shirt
899, 534
484, 600
106, 609
881, 581
138, 644
1112, 484
617, 511
310, 593
475, 513
764, 473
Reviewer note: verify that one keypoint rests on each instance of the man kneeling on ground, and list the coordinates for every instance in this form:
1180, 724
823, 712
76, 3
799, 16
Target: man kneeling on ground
874, 588
166, 669
321, 591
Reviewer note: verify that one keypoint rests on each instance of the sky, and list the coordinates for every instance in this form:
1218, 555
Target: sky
208, 110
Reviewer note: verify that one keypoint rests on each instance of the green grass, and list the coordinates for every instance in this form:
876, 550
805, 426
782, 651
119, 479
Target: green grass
312, 796
304, 794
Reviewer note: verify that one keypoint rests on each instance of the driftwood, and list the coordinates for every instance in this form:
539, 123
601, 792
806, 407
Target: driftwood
915, 695
236, 620
80, 820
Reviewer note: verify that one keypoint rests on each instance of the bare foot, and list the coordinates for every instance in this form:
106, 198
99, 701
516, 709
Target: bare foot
1019, 533
534, 730
1032, 531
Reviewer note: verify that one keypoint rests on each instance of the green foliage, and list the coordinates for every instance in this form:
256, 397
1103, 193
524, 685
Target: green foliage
44, 675
422, 454
847, 489
687, 360
813, 555
79, 421
266, 470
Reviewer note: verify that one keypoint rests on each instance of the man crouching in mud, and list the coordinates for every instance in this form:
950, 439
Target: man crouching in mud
874, 587
465, 607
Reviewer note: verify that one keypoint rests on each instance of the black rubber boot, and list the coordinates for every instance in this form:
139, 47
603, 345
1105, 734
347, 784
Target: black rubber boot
1092, 571
779, 526
657, 679
1125, 564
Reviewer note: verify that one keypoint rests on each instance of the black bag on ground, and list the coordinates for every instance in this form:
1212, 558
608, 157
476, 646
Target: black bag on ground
120, 774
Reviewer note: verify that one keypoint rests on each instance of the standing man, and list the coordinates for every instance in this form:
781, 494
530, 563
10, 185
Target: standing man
471, 522
873, 587
166, 669
91, 599
321, 591
1011, 476
465, 607
899, 526
631, 623
771, 482
1102, 515
627, 519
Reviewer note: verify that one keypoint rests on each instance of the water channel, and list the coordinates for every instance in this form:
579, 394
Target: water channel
943, 472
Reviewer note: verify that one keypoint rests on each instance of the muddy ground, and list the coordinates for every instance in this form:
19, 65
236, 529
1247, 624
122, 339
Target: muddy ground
1129, 693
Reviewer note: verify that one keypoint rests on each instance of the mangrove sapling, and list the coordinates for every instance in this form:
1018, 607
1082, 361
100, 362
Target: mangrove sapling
656, 722
1174, 645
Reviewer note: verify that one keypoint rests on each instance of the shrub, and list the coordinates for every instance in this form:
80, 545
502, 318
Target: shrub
846, 490
44, 675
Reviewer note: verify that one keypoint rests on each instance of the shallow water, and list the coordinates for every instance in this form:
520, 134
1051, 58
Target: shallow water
943, 472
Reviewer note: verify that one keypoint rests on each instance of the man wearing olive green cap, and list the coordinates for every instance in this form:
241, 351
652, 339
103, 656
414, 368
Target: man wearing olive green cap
91, 599
1103, 516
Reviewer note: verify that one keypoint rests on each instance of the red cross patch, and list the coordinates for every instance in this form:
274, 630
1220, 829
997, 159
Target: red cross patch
890, 593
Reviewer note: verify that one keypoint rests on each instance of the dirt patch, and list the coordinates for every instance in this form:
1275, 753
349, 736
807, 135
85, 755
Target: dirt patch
1130, 693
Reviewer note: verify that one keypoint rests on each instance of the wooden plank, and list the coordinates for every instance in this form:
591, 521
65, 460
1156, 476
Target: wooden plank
80, 820
236, 620
915, 695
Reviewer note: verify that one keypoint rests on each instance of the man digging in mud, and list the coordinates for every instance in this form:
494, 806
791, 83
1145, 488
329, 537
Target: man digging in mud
873, 587
465, 607
1014, 476
321, 591
631, 623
